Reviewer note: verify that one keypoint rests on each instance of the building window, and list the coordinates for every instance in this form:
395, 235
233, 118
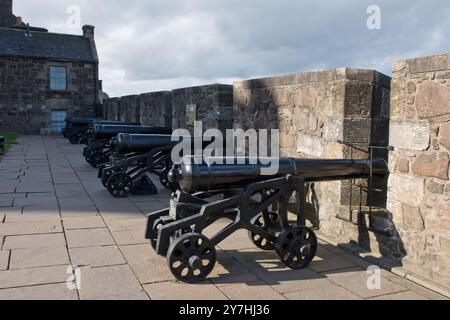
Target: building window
58, 121
58, 78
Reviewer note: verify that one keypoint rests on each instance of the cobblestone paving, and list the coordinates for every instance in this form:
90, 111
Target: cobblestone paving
55, 213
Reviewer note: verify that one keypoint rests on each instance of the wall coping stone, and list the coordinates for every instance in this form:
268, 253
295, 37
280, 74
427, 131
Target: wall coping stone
350, 74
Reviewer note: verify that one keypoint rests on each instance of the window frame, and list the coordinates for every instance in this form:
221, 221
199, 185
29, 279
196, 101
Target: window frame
51, 78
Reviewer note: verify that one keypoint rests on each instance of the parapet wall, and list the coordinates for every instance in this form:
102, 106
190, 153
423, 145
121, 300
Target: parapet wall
178, 109
319, 114
419, 195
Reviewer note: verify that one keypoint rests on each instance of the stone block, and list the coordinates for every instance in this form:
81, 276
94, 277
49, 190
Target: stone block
97, 256
89, 238
434, 187
412, 218
406, 189
403, 165
43, 292
12, 229
431, 165
33, 277
110, 283
410, 135
71, 223
182, 291
330, 293
38, 257
34, 241
433, 100
444, 135
4, 260
251, 291
146, 264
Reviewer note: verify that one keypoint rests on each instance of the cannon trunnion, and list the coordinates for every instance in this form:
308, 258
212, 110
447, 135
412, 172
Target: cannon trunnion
258, 203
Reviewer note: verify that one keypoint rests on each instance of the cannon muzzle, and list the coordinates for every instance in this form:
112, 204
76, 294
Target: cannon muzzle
210, 176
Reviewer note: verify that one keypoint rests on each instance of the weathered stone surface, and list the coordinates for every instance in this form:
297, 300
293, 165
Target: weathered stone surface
431, 165
4, 259
34, 241
403, 165
110, 283
38, 257
32, 277
42, 292
72, 223
406, 189
412, 218
435, 187
433, 100
332, 292
96, 256
181, 291
89, 238
27, 102
256, 290
12, 229
411, 135
310, 146
444, 135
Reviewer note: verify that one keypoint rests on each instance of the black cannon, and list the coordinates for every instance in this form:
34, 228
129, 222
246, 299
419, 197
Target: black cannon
77, 129
252, 201
135, 156
100, 148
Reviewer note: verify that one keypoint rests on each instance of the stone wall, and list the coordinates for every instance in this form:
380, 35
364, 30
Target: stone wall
156, 109
419, 196
26, 99
319, 115
214, 105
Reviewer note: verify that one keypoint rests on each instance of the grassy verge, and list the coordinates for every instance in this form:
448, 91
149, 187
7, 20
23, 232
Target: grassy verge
9, 137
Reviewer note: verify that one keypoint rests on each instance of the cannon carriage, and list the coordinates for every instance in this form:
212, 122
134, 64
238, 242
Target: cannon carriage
250, 200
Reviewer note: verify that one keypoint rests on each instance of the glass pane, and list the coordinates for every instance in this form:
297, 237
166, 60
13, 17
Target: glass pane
58, 78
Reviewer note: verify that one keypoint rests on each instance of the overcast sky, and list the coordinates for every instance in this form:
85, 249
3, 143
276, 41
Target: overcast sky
151, 45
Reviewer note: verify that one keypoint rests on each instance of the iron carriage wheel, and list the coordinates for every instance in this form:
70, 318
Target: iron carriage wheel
296, 246
191, 257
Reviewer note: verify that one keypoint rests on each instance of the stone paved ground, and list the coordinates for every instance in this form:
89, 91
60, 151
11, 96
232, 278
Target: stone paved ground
54, 213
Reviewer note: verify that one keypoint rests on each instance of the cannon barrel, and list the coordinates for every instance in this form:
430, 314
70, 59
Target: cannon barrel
82, 121
108, 131
127, 143
211, 176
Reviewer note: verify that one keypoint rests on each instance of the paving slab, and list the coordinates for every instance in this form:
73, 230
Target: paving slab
90, 222
124, 238
96, 256
357, 282
328, 261
34, 241
181, 291
42, 292
24, 228
33, 277
251, 291
4, 259
329, 292
116, 282
89, 238
34, 217
38, 257
406, 295
146, 264
228, 271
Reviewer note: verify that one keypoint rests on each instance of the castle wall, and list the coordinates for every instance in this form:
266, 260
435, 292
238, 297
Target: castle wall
419, 187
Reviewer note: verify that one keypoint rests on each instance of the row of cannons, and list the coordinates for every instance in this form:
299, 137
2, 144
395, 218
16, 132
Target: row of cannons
206, 192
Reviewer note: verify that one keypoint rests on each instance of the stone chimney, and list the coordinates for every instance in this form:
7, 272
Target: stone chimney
88, 31
7, 19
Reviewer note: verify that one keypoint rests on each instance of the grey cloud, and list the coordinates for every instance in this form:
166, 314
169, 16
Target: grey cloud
151, 45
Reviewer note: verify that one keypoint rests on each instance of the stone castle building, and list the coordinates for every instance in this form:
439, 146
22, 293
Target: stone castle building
44, 76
